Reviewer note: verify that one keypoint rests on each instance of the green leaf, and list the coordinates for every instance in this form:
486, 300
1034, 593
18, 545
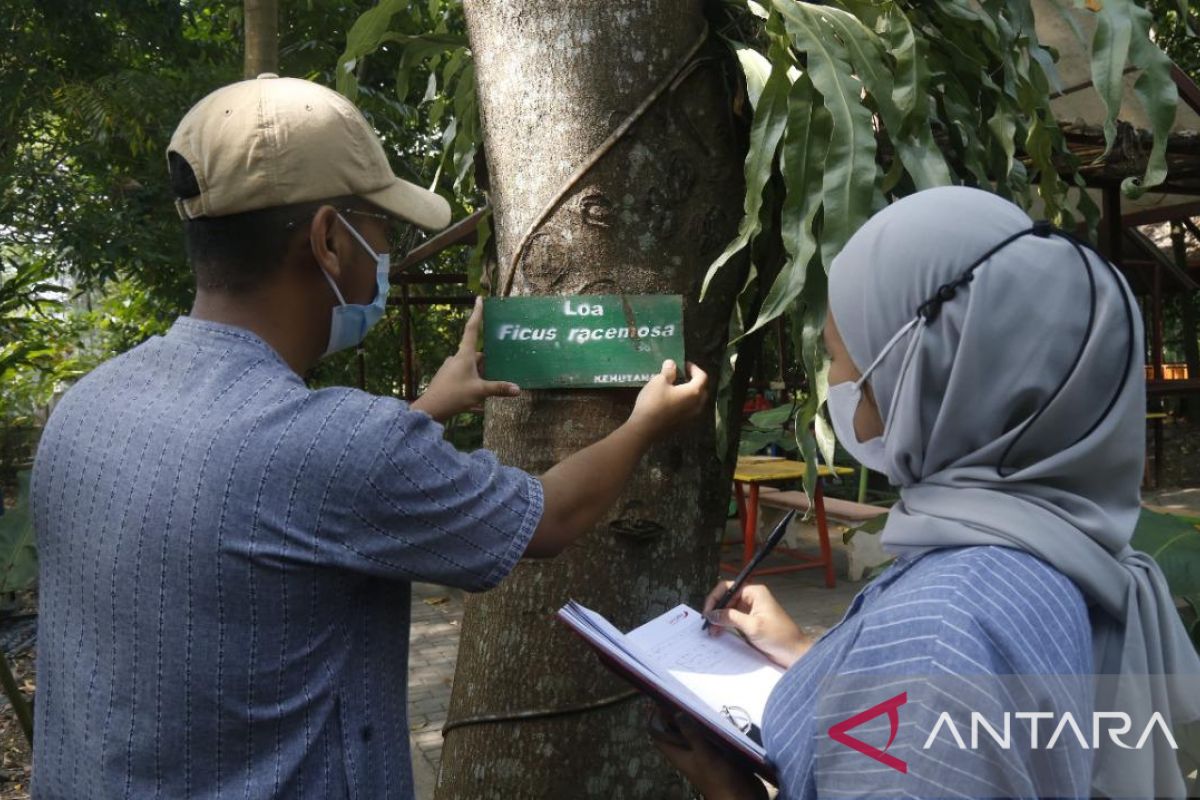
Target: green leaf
1175, 545
755, 67
1003, 127
871, 527
913, 141
757, 9
1110, 51
808, 322
1040, 144
773, 419
848, 185
801, 161
753, 441
911, 73
1155, 89
723, 405
364, 36
18, 553
475, 267
770, 118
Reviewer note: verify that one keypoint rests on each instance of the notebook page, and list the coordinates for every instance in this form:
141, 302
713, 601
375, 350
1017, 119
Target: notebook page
721, 670
607, 637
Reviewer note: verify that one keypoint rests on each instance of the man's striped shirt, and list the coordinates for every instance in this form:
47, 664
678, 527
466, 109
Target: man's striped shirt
225, 566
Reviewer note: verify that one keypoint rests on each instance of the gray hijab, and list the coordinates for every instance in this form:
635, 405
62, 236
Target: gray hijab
974, 376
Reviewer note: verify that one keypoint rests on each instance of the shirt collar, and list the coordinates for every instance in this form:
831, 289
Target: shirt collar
204, 330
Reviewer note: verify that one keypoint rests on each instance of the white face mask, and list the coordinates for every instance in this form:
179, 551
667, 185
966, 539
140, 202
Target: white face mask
350, 322
843, 401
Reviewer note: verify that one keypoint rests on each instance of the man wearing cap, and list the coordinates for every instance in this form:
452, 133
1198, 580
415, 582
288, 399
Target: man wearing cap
226, 554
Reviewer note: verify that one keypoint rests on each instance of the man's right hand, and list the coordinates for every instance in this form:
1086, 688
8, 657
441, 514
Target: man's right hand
756, 614
661, 405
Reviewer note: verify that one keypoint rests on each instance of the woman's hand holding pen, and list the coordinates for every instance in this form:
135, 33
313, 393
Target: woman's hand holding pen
756, 614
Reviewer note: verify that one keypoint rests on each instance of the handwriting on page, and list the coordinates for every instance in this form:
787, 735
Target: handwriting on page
722, 670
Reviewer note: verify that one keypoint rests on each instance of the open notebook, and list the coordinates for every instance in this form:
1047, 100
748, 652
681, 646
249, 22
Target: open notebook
719, 681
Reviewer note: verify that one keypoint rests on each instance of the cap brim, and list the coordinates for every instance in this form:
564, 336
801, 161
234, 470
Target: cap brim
410, 202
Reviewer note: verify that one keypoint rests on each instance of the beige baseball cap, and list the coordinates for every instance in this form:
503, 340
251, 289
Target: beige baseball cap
277, 141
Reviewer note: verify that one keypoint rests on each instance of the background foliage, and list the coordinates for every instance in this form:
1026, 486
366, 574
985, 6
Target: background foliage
850, 104
91, 252
847, 104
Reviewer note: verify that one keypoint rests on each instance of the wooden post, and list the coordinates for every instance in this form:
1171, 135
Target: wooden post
1187, 318
1157, 356
261, 20
410, 372
1156, 323
1113, 225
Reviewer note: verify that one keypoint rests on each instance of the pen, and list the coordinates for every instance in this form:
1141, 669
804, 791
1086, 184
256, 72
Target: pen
767, 547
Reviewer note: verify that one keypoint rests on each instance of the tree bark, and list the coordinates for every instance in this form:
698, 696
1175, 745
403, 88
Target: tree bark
261, 20
554, 80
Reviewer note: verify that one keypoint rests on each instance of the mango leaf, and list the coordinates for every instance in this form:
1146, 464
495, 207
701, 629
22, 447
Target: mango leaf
1155, 89
872, 526
801, 162
1040, 145
363, 37
18, 552
848, 185
911, 73
1087, 208
866, 53
770, 118
723, 405
808, 322
475, 266
772, 418
1003, 127
753, 441
416, 49
1175, 545
960, 112
755, 67
1110, 51
1123, 35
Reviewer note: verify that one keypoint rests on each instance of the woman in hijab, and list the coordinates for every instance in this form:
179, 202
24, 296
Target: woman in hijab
992, 369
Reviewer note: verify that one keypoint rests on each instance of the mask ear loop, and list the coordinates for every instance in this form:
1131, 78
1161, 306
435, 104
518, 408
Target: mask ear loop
1129, 326
336, 291
1087, 337
930, 309
354, 232
908, 356
909, 353
887, 348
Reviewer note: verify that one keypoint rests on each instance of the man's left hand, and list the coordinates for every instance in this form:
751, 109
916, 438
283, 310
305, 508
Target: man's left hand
457, 386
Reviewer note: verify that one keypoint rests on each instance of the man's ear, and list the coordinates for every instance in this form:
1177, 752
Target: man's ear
328, 241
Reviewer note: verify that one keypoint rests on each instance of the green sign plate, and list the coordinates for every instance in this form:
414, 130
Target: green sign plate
581, 341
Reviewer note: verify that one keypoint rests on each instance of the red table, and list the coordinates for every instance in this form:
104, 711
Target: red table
752, 472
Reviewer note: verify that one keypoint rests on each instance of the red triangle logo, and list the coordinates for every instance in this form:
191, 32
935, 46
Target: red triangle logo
890, 707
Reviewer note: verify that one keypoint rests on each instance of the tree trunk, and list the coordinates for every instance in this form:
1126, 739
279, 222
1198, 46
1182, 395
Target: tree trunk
555, 79
261, 20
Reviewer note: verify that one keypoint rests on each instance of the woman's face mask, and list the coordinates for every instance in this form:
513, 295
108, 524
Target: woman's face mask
843, 401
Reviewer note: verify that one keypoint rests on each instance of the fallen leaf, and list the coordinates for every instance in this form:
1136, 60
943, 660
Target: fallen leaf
436, 601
